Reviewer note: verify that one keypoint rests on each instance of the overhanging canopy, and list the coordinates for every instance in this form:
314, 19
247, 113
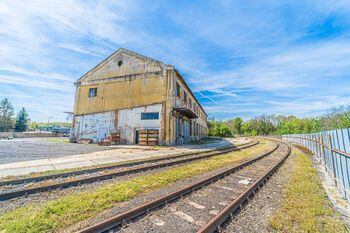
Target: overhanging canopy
186, 112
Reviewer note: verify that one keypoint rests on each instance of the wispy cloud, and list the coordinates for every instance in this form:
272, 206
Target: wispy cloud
204, 96
244, 58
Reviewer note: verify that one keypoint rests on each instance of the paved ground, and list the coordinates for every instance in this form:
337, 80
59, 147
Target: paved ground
55, 154
25, 149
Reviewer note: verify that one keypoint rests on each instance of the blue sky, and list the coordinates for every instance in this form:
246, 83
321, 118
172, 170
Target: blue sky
241, 58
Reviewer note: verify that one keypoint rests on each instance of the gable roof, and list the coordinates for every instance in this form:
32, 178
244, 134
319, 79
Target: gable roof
122, 50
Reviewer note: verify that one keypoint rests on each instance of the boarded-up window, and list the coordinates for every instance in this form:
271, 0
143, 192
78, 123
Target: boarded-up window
92, 92
185, 97
149, 115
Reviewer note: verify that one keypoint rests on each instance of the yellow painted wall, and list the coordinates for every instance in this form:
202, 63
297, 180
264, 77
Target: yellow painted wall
130, 92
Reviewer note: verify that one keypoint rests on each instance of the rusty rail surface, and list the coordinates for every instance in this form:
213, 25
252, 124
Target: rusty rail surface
96, 169
142, 209
22, 192
219, 219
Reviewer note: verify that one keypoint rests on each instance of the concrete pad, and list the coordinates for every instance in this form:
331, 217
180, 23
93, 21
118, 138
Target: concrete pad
119, 154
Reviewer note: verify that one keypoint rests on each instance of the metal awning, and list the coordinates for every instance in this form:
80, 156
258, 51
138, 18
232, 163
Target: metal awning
186, 112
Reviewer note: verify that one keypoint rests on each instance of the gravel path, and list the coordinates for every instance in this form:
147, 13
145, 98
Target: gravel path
25, 149
254, 216
141, 199
147, 225
193, 211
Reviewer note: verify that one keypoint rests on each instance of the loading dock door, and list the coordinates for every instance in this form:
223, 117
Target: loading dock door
137, 137
177, 131
186, 132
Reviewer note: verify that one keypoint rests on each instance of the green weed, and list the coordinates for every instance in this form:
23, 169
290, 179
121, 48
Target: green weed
53, 215
305, 207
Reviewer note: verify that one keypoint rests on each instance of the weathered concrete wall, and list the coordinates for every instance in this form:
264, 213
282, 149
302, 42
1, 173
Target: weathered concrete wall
96, 126
7, 134
129, 120
93, 126
27, 135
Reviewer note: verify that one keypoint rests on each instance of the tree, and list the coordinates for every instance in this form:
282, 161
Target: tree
6, 114
237, 125
225, 130
21, 121
33, 125
218, 128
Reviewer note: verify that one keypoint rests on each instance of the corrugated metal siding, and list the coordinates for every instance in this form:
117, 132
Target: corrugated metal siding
339, 140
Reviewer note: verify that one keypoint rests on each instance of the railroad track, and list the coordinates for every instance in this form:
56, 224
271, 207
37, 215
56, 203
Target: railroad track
190, 209
109, 172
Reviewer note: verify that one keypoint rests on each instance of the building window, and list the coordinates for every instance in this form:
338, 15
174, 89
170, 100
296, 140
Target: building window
92, 92
177, 89
149, 115
120, 63
185, 97
190, 103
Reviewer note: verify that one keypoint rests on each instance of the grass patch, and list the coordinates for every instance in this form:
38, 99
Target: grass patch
58, 140
54, 215
306, 207
150, 149
161, 146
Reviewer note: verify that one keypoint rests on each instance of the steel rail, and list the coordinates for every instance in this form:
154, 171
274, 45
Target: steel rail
23, 192
142, 209
219, 219
96, 169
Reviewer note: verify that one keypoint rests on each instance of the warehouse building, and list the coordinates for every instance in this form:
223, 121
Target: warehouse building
138, 100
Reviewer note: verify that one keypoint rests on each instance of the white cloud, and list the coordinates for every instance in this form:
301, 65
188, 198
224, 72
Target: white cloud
49, 44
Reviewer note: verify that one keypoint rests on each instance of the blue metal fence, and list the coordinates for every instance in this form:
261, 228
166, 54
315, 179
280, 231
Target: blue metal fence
332, 148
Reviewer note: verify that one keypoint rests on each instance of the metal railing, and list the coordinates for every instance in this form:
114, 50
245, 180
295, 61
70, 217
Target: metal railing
332, 150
